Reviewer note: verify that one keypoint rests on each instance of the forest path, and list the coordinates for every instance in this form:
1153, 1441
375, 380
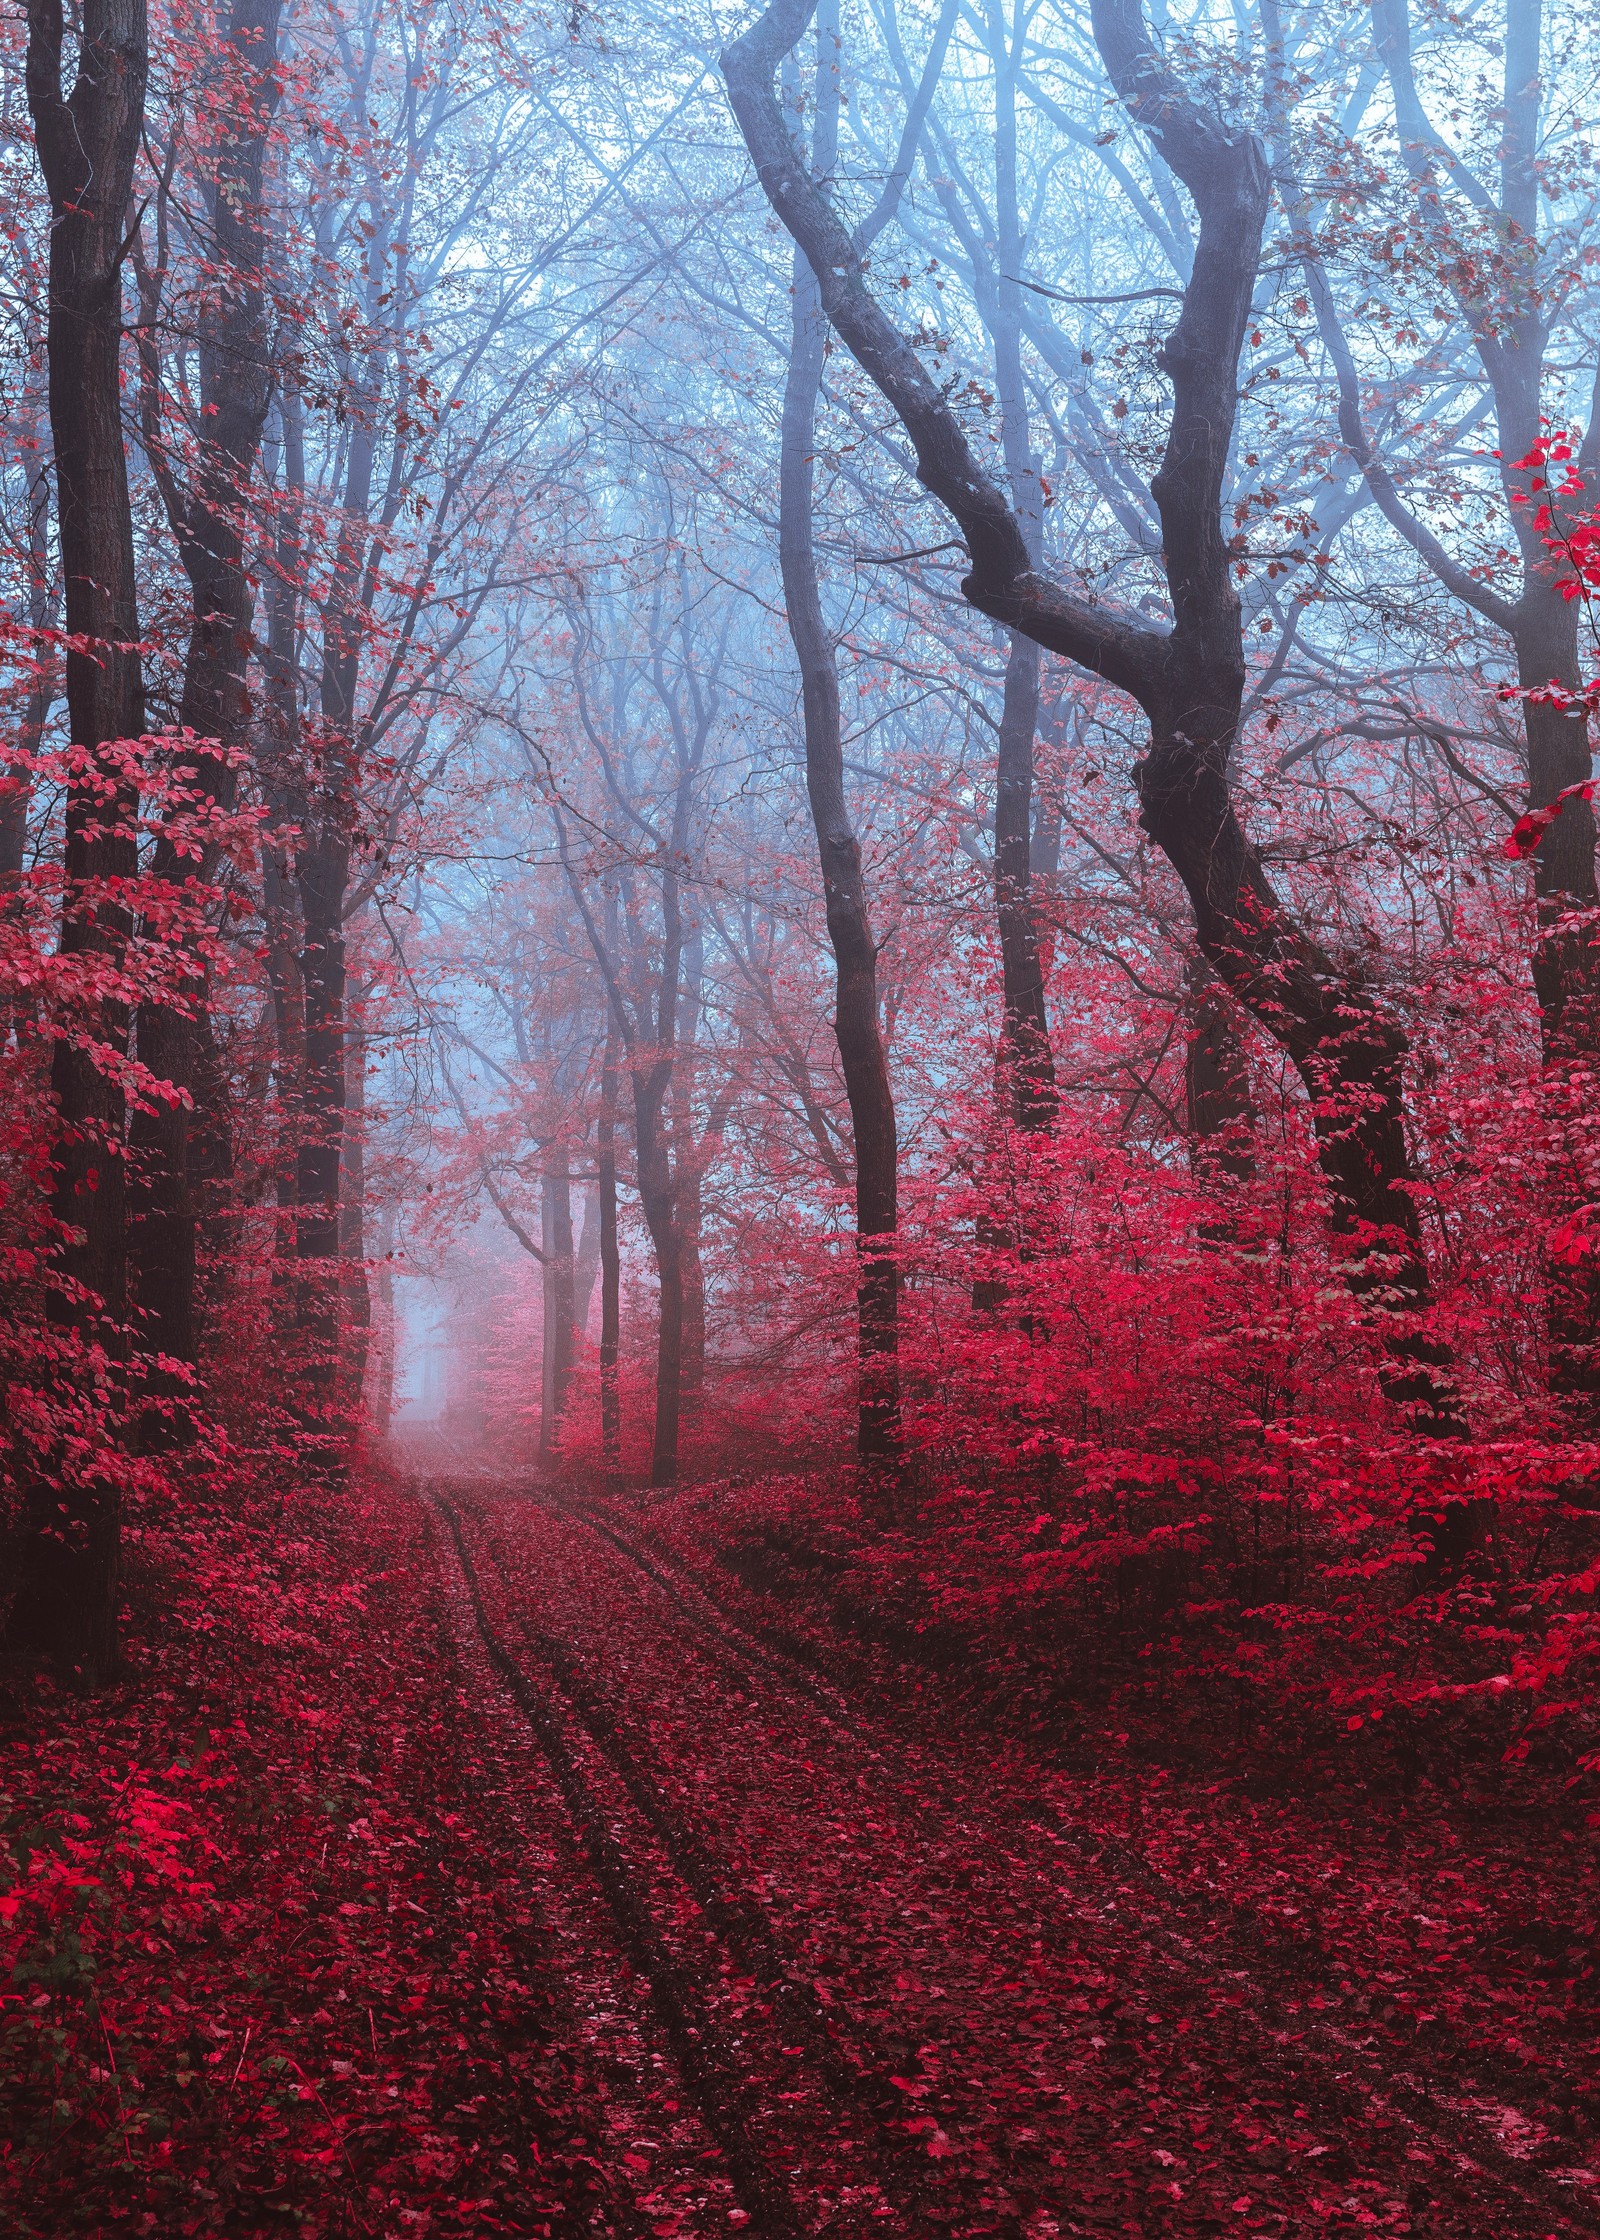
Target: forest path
841, 1979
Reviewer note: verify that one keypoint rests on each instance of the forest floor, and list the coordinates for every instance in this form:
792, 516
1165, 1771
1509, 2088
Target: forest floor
550, 1880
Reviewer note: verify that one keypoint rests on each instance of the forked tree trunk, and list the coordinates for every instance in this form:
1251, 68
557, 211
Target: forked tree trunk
87, 142
1189, 681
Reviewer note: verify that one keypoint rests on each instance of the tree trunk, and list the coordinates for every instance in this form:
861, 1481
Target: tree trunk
1189, 680
1028, 1068
691, 1220
588, 1263
234, 387
382, 1403
323, 870
861, 1052
658, 1197
1511, 330
610, 1270
1566, 973
556, 1346
281, 761
688, 1171
1217, 1103
1025, 1082
355, 1292
87, 142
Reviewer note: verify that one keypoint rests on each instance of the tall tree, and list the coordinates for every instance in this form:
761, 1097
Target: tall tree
88, 143
176, 1140
855, 951
1481, 242
1189, 679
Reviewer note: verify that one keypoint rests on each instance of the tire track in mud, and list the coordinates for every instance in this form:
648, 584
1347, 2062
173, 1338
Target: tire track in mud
1345, 2093
857, 2075
609, 2021
1325, 2063
711, 2073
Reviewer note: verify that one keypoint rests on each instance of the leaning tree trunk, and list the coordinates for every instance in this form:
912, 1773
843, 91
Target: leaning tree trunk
861, 1052
234, 390
1189, 681
87, 143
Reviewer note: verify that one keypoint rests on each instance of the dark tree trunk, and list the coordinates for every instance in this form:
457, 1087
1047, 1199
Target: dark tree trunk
862, 1056
1025, 1081
688, 1166
1566, 963
588, 1263
87, 142
355, 1291
234, 388
610, 1270
1509, 326
1217, 1103
382, 1404
1349, 1051
323, 874
281, 760
1028, 1070
691, 1222
560, 1297
658, 1198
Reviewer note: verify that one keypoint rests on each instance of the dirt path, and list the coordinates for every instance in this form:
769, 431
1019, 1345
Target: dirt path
843, 1981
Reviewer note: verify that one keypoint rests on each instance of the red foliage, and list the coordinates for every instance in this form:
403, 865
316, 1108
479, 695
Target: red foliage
267, 1960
